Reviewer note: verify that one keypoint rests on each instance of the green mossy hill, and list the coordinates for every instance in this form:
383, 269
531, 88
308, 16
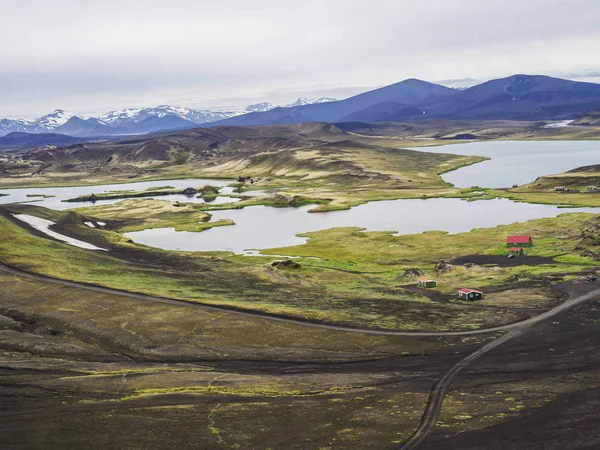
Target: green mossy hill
542, 190
316, 291
142, 214
574, 180
131, 194
564, 245
309, 156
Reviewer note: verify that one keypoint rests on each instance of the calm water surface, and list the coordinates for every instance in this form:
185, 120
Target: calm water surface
262, 227
65, 193
518, 162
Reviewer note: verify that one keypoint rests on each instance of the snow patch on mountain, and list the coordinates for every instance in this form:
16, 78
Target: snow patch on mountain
302, 101
22, 126
260, 107
135, 115
116, 116
55, 119
115, 122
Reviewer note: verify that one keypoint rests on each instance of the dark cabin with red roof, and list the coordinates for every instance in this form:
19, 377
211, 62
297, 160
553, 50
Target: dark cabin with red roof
470, 294
519, 241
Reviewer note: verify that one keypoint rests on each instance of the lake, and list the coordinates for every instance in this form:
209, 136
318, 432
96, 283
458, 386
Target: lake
261, 227
517, 162
513, 162
65, 193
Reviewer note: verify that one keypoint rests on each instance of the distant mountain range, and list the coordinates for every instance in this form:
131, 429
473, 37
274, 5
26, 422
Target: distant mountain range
19, 140
132, 121
519, 97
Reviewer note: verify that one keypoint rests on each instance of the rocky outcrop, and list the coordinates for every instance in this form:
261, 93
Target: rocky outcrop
209, 190
443, 267
283, 264
189, 191
412, 273
250, 180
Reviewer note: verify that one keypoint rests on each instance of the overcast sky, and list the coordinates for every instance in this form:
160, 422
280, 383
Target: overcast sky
93, 57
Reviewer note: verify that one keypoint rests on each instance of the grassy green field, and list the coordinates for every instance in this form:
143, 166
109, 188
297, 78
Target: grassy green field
346, 276
563, 240
542, 189
136, 215
353, 298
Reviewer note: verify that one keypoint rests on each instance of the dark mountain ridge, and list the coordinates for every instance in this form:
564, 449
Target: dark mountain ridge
407, 93
519, 97
18, 140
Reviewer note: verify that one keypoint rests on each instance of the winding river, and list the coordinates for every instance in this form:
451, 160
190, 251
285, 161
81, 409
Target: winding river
259, 227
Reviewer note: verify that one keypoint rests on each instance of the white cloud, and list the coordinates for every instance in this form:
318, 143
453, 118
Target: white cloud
91, 57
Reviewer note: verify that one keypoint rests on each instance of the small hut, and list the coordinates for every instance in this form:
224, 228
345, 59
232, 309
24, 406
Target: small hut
427, 283
592, 188
470, 294
559, 189
519, 241
516, 251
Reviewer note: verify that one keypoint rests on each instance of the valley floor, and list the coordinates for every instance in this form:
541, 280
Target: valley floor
135, 346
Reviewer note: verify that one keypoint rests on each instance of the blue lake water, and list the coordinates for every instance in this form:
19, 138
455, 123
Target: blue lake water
259, 227
65, 193
518, 162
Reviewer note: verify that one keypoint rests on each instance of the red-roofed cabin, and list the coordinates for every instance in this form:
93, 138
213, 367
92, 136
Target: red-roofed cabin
517, 251
519, 241
592, 188
470, 294
427, 283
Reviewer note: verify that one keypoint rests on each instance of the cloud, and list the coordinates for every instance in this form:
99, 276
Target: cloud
113, 54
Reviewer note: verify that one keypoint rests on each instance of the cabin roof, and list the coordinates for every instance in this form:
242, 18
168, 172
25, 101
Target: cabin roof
518, 239
515, 249
469, 291
425, 279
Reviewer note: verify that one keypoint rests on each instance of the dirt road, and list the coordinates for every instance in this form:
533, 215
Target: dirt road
517, 325
439, 390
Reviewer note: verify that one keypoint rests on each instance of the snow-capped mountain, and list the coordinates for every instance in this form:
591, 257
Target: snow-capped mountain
260, 107
134, 120
126, 121
267, 106
44, 124
49, 122
302, 101
22, 126
53, 120
131, 116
